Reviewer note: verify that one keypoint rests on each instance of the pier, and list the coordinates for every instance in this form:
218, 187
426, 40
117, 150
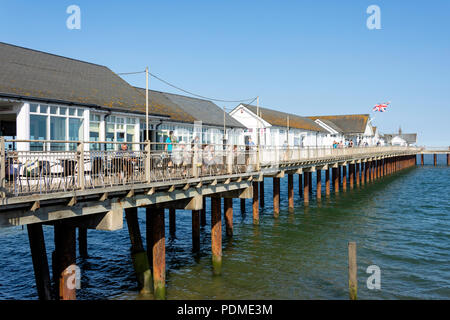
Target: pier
87, 188
435, 151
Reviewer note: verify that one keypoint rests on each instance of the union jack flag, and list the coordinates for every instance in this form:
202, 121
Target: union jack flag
381, 107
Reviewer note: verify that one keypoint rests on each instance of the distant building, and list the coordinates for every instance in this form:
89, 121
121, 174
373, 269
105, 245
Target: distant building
354, 127
278, 128
401, 139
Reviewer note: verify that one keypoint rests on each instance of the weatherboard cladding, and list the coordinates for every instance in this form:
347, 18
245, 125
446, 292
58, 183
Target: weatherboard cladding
28, 73
278, 118
351, 123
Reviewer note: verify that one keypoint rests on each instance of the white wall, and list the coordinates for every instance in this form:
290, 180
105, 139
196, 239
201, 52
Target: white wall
23, 127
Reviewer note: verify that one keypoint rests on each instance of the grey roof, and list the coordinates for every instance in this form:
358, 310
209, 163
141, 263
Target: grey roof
349, 123
203, 110
27, 73
410, 138
278, 118
332, 125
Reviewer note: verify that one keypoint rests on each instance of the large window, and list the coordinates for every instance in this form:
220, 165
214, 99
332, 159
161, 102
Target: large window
94, 131
55, 123
38, 131
119, 129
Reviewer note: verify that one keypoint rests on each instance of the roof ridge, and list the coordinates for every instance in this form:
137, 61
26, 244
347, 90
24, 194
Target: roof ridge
51, 54
176, 94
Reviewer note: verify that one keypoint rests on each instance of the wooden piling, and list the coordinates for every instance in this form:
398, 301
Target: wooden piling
310, 182
82, 242
203, 213
216, 236
363, 171
243, 206
300, 185
159, 254
306, 188
276, 197
228, 212
255, 203
344, 178
352, 271
421, 160
291, 192
367, 172
64, 260
261, 193
357, 174
40, 261
327, 182
138, 254
448, 159
435, 159
351, 175
172, 222
149, 234
196, 230
319, 184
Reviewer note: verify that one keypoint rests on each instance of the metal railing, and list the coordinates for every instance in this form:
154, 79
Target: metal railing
83, 166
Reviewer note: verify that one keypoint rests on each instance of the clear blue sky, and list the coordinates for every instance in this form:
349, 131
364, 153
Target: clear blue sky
304, 57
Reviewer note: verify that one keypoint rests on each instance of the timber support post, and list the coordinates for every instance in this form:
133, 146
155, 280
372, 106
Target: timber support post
344, 178
276, 196
255, 203
352, 271
40, 261
203, 213
138, 254
228, 213
159, 254
306, 183
261, 192
327, 182
64, 267
291, 192
318, 184
216, 235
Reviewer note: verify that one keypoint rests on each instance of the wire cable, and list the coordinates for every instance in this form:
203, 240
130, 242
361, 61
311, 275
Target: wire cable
197, 95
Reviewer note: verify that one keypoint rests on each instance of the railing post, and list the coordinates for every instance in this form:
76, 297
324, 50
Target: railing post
80, 161
147, 161
2, 167
195, 161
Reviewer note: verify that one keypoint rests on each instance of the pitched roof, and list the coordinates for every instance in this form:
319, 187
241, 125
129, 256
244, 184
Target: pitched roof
332, 125
203, 110
410, 138
350, 123
278, 118
28, 73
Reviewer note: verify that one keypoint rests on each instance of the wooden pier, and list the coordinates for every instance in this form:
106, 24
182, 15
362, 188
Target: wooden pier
83, 189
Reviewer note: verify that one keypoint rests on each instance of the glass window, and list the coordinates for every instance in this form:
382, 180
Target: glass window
109, 136
43, 108
33, 107
57, 132
80, 112
38, 131
53, 110
94, 135
62, 111
72, 111
75, 131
